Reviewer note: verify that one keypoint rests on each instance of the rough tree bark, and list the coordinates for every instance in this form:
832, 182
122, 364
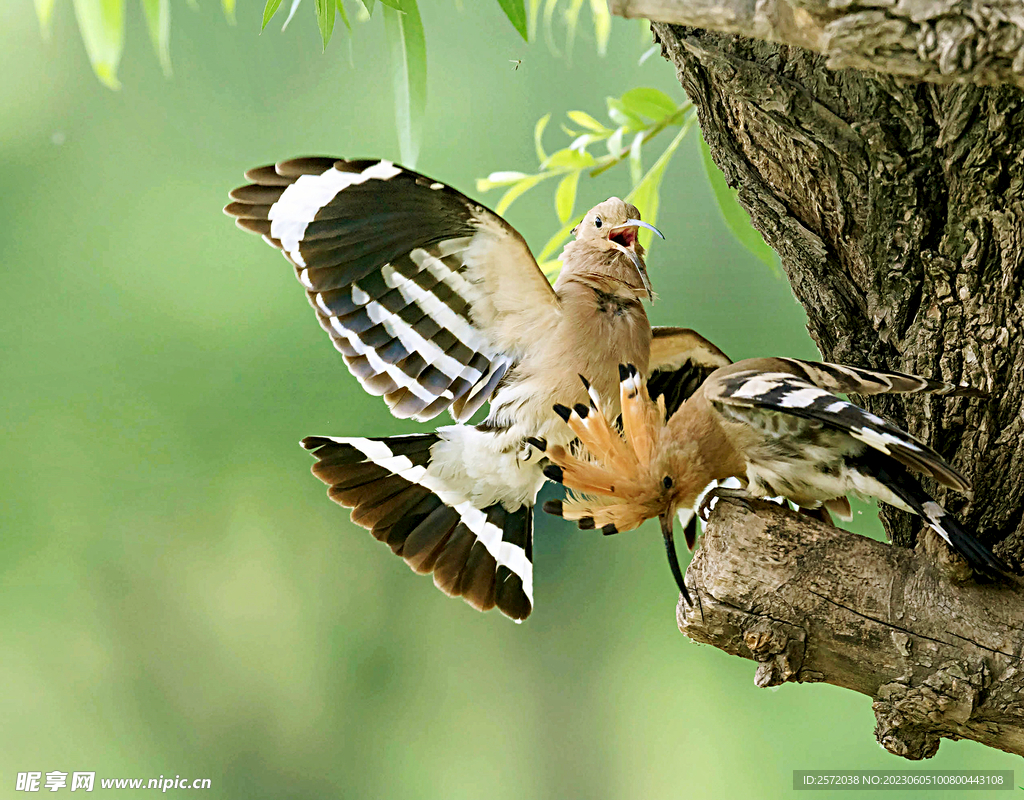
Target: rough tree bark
813, 603
945, 41
897, 208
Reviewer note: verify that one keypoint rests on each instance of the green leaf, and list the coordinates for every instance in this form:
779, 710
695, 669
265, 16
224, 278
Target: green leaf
404, 32
620, 115
533, 13
645, 195
735, 216
555, 242
516, 13
268, 12
565, 196
538, 133
602, 24
636, 168
291, 13
158, 20
647, 102
44, 10
505, 178
549, 13
101, 23
368, 5
399, 5
572, 16
650, 51
325, 12
580, 143
518, 191
614, 142
344, 15
566, 157
587, 121
229, 10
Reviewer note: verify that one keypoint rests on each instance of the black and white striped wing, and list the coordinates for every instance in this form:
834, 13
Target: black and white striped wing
854, 380
484, 555
681, 360
427, 294
740, 392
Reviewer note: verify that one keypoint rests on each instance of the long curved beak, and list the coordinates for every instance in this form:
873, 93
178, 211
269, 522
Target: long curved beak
673, 559
631, 252
639, 223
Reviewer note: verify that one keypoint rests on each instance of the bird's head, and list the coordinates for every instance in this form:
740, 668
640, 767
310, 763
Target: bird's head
607, 247
620, 480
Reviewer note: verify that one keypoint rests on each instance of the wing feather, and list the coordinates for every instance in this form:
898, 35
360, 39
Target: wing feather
793, 395
681, 360
429, 296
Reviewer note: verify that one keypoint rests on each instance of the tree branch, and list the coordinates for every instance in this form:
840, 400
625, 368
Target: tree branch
813, 603
940, 41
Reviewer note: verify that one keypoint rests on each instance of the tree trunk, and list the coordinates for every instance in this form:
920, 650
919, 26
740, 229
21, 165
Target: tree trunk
898, 211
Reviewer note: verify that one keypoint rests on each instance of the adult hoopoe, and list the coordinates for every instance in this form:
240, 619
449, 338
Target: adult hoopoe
772, 423
436, 303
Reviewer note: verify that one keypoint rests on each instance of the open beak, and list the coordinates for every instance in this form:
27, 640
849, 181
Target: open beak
673, 559
623, 238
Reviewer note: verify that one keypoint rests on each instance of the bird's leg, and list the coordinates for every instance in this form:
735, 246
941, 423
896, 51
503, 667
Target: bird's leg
718, 492
820, 513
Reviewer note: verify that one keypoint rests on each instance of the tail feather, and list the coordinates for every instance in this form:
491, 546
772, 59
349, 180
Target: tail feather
452, 560
978, 555
902, 484
477, 581
425, 542
396, 534
387, 513
369, 495
483, 555
347, 476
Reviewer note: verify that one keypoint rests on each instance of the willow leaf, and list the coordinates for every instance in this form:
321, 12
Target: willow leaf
101, 23
325, 13
268, 12
158, 21
602, 24
515, 10
735, 216
404, 31
44, 10
565, 196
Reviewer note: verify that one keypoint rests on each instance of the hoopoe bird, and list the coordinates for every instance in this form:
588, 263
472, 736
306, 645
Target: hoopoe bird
436, 303
772, 423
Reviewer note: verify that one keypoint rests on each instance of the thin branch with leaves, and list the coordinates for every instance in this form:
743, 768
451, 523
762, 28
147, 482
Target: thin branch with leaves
636, 118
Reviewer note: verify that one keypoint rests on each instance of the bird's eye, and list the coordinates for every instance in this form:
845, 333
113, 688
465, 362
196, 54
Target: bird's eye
597, 222
667, 482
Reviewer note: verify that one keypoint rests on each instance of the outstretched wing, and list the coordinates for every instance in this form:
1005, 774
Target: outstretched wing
427, 294
763, 385
681, 360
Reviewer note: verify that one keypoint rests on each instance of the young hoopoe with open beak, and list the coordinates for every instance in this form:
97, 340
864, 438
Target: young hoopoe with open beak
772, 423
436, 303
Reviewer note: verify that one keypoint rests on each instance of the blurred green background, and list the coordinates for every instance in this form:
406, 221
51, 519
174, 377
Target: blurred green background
178, 594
